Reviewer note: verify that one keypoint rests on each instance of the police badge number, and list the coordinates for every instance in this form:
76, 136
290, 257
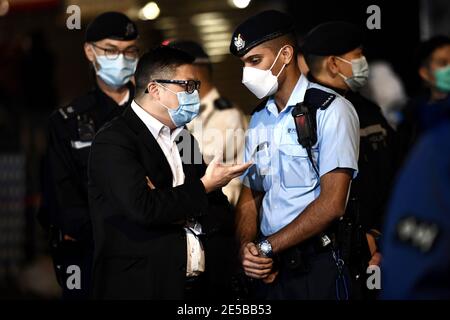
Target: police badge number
239, 43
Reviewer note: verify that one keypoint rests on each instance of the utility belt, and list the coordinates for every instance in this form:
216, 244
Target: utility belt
296, 257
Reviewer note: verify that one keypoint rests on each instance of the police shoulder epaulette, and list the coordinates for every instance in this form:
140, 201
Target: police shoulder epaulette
78, 106
260, 106
222, 103
319, 98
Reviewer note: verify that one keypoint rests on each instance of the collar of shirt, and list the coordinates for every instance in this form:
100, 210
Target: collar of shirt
156, 127
296, 96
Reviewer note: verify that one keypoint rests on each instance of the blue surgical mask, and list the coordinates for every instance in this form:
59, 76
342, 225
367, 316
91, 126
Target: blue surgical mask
188, 107
115, 73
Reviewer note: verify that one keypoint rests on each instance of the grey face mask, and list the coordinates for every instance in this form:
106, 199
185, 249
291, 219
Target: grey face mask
360, 70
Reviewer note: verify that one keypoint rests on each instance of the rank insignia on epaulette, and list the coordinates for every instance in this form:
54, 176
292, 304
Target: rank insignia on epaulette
417, 233
66, 112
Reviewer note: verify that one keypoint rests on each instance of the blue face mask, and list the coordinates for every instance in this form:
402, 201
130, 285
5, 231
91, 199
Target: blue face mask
115, 73
188, 107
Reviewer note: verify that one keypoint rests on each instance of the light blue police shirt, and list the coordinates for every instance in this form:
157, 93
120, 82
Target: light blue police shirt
281, 167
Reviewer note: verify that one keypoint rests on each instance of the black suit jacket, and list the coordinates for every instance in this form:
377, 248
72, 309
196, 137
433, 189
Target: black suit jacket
140, 244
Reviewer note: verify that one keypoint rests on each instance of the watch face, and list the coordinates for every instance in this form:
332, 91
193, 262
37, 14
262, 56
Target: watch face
265, 247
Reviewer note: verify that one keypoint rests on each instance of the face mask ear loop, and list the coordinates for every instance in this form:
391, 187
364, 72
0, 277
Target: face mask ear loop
284, 65
276, 58
170, 91
345, 60
94, 62
343, 76
165, 88
349, 62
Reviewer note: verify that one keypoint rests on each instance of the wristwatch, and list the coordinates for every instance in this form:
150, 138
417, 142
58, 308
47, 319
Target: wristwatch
265, 248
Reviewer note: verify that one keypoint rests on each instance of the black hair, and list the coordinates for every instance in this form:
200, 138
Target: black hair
276, 44
160, 62
314, 63
426, 49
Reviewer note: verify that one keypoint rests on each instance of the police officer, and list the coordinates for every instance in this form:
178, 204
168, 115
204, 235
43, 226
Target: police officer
295, 190
112, 50
220, 126
427, 109
339, 63
416, 239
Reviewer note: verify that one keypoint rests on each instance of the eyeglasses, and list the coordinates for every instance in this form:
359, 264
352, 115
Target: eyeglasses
113, 53
189, 85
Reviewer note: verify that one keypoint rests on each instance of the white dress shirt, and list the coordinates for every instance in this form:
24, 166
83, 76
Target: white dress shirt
166, 140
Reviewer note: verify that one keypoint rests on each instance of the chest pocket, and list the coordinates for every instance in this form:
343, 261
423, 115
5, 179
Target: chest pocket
262, 158
296, 169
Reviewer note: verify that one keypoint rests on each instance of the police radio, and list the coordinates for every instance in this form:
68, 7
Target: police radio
304, 114
305, 124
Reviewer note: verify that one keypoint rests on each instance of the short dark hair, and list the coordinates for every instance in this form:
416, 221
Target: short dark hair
314, 63
276, 44
160, 62
426, 49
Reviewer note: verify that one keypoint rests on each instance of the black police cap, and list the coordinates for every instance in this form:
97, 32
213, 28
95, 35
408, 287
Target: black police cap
260, 28
332, 38
193, 48
426, 48
111, 25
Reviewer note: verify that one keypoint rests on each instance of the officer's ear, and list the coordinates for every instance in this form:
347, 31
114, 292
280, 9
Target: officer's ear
331, 66
424, 74
287, 54
89, 52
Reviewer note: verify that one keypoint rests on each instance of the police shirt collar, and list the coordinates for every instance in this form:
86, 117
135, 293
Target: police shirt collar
297, 96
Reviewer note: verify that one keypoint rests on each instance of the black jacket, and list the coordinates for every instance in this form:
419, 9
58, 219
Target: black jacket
140, 244
71, 130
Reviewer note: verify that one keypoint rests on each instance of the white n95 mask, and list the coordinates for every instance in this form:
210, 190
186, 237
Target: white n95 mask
261, 83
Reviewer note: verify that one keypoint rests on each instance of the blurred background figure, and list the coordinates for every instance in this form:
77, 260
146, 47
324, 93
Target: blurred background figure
416, 243
220, 126
385, 88
427, 109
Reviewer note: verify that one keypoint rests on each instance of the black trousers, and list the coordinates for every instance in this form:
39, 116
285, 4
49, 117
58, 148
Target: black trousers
305, 274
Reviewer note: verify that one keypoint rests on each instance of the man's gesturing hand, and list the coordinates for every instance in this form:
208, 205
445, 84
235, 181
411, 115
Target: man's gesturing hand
218, 174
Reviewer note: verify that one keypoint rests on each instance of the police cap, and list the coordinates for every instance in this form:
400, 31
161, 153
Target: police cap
191, 47
332, 38
264, 26
111, 25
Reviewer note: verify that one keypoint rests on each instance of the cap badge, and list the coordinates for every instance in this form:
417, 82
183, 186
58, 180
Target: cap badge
130, 29
239, 43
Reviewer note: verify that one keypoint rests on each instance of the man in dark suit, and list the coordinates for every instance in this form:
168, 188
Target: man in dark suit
157, 211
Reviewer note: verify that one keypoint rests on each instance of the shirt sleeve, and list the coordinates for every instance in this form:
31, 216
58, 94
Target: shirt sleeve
338, 137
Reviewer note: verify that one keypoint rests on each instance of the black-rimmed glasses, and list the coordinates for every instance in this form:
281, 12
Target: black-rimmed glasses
131, 53
189, 85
